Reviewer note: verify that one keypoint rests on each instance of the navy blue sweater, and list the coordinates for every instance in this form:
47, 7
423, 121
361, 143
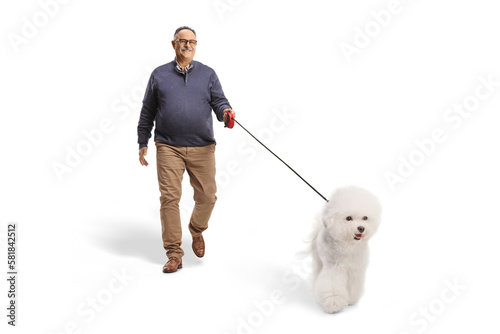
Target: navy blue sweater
181, 105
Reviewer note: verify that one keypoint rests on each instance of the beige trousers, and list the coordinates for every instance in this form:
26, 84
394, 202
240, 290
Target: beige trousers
171, 162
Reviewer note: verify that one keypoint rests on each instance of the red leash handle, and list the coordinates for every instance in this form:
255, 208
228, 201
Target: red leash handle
230, 120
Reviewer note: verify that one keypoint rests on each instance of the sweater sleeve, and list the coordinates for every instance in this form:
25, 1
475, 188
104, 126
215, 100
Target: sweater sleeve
218, 100
148, 113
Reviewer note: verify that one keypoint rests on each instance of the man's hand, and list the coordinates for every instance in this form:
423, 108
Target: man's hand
142, 153
226, 116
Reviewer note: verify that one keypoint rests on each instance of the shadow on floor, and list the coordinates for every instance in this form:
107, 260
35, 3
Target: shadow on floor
131, 239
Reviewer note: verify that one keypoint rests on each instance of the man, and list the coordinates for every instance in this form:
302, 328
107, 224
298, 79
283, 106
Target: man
180, 97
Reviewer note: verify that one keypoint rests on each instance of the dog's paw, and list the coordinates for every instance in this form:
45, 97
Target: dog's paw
333, 303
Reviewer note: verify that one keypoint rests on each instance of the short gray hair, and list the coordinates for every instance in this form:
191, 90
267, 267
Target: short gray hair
182, 28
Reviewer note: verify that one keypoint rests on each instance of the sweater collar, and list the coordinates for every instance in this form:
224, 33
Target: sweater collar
179, 68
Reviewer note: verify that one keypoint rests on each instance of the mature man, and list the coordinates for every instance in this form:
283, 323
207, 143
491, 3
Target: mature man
180, 97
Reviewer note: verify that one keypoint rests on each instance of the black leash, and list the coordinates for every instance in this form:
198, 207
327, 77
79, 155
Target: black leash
232, 118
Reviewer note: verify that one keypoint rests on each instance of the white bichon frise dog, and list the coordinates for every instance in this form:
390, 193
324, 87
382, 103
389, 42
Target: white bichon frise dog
339, 246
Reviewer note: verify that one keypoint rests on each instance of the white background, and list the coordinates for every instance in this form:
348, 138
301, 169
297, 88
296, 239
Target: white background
348, 123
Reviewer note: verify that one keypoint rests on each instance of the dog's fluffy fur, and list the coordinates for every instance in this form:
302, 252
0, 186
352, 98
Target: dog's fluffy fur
339, 246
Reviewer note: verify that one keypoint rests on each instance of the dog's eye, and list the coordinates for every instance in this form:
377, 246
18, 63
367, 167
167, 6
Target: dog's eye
365, 218
349, 218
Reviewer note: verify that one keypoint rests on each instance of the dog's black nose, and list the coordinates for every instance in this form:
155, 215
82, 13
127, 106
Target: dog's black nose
361, 229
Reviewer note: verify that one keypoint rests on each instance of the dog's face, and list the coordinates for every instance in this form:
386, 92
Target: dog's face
352, 214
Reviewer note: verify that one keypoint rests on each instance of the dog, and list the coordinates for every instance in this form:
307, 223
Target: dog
339, 246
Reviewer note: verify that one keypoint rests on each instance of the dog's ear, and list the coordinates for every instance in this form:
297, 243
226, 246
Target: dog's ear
323, 219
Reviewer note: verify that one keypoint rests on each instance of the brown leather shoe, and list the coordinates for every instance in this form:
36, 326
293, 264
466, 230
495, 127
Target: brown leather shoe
199, 246
172, 265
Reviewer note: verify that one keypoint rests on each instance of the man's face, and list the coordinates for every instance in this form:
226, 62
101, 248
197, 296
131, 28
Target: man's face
184, 52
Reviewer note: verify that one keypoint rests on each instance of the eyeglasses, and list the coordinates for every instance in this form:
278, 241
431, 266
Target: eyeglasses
184, 42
